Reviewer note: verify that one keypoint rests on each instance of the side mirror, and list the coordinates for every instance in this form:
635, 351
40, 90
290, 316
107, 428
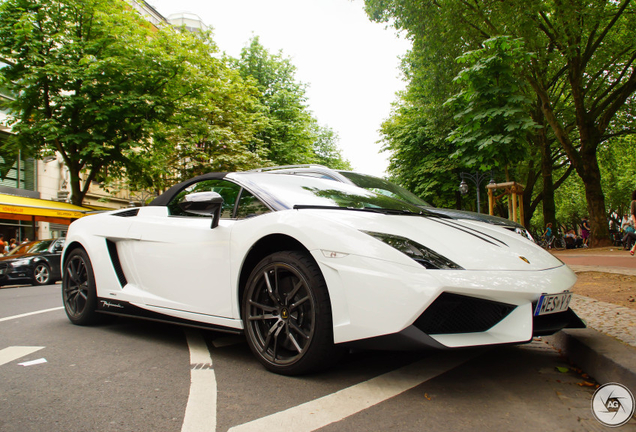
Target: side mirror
203, 204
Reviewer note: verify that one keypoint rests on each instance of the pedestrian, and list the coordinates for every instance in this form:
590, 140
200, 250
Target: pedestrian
585, 231
626, 229
572, 241
547, 235
632, 208
3, 245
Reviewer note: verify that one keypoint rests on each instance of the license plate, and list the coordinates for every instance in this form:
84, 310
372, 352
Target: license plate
553, 303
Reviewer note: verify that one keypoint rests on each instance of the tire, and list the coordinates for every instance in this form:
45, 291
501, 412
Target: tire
42, 274
78, 289
287, 315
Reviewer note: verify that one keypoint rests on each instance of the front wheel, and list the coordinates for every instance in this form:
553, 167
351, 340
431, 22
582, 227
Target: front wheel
41, 274
287, 315
78, 289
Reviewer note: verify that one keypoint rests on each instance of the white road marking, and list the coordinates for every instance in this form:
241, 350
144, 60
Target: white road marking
344, 403
33, 362
200, 414
15, 352
30, 313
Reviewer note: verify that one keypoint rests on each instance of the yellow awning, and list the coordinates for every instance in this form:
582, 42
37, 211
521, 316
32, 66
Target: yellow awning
23, 208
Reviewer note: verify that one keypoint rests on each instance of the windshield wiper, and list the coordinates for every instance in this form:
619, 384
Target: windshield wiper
394, 211
364, 209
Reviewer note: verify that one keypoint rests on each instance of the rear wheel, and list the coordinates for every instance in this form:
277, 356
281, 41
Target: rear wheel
41, 274
287, 315
78, 289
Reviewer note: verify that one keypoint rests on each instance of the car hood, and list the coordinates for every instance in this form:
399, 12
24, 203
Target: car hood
472, 245
16, 257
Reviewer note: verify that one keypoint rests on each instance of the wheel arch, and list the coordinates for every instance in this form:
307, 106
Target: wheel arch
262, 248
67, 250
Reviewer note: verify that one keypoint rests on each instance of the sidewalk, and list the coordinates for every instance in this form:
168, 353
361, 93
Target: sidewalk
606, 350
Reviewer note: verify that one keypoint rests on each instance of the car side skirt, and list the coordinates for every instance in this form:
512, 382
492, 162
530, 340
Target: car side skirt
123, 308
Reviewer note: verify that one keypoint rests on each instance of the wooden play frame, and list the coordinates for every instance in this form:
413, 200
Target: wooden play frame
515, 203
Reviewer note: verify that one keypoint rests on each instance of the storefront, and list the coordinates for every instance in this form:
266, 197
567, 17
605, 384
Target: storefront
23, 218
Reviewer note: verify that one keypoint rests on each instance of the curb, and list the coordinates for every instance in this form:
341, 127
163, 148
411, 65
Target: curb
602, 357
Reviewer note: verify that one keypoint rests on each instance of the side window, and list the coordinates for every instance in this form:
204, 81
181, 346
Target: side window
228, 190
250, 206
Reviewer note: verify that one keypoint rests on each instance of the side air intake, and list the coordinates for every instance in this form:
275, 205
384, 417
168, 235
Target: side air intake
114, 258
127, 213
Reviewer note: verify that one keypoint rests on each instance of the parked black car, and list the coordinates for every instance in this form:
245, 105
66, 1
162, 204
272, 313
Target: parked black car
35, 263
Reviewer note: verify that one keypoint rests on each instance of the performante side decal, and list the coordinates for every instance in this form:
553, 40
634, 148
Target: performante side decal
124, 308
108, 304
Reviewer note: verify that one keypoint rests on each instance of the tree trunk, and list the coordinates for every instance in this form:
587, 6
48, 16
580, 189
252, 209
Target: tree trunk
77, 197
549, 207
591, 176
585, 163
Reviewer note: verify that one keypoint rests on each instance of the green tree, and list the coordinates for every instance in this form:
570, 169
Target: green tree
215, 127
492, 108
419, 159
90, 77
291, 135
583, 75
325, 149
287, 136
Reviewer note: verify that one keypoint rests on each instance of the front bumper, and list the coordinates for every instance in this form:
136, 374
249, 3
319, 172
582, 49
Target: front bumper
10, 275
375, 299
413, 338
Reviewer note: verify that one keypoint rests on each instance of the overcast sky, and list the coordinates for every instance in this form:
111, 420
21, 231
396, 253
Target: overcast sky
350, 64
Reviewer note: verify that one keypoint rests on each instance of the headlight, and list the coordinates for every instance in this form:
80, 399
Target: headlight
20, 262
414, 250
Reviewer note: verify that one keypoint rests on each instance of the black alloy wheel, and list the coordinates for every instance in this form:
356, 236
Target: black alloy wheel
41, 274
78, 289
287, 315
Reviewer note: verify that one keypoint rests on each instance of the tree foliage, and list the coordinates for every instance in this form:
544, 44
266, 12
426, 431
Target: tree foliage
215, 126
582, 76
287, 136
291, 135
90, 79
119, 98
493, 111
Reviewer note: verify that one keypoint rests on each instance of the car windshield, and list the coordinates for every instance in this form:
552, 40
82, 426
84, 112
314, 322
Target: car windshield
290, 191
21, 249
384, 187
39, 246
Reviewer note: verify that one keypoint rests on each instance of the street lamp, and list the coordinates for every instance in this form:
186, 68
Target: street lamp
476, 178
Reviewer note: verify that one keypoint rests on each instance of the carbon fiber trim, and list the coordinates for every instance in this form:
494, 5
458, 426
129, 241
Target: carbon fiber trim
122, 308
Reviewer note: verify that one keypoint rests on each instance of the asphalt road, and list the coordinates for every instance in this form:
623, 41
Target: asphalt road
134, 375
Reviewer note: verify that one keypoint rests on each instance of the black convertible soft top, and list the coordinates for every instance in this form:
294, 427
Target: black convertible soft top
166, 197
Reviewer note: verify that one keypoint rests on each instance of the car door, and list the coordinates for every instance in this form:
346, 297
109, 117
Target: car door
180, 263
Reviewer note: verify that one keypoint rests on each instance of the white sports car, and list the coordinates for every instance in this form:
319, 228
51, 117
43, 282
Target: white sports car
306, 267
